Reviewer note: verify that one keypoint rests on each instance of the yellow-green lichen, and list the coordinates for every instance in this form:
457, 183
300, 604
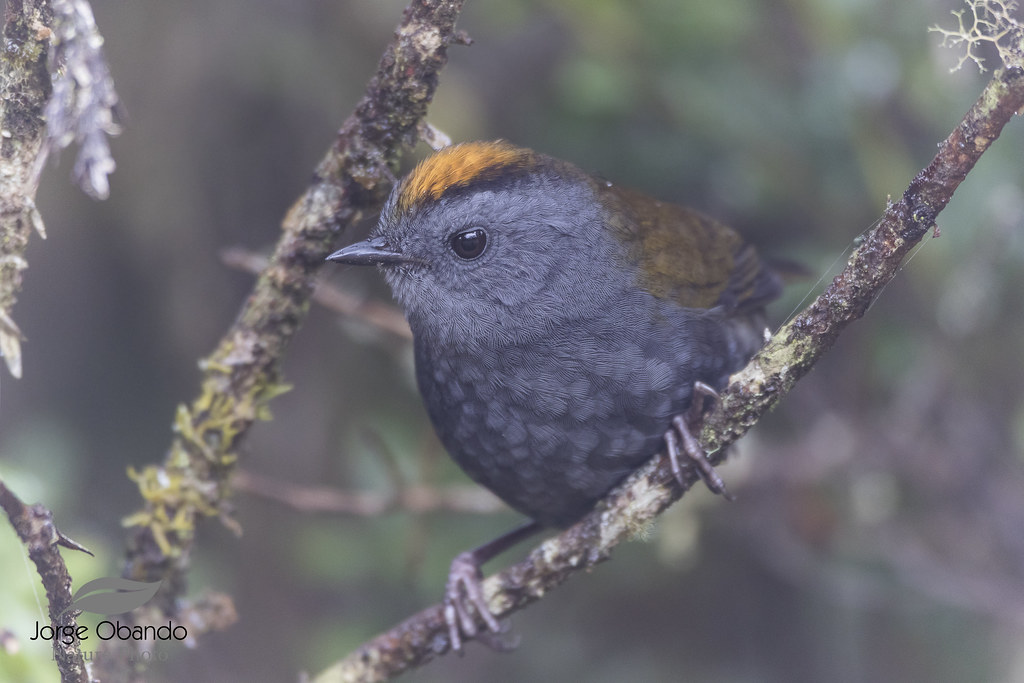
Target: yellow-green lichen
173, 500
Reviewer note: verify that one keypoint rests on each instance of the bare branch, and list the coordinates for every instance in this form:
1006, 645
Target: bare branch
415, 499
34, 526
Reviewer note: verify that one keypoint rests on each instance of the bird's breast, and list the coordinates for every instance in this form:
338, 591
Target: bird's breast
551, 425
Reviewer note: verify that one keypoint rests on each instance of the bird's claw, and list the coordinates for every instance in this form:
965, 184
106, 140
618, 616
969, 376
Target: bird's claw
464, 596
680, 442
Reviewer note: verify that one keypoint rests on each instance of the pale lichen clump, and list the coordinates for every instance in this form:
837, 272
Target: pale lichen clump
993, 22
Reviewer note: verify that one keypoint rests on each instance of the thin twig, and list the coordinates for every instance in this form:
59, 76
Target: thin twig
381, 316
417, 499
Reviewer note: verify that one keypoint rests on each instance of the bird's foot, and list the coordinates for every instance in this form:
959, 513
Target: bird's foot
680, 442
464, 598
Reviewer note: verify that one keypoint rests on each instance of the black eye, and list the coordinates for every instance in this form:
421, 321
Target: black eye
469, 244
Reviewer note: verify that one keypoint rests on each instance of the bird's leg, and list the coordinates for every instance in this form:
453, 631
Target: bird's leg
680, 442
464, 594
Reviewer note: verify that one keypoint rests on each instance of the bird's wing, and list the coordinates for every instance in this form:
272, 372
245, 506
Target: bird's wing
684, 255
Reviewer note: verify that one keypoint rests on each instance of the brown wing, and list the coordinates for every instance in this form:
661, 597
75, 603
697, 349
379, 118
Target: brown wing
686, 256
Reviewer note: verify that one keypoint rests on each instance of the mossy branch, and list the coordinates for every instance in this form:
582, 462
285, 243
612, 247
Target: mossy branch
241, 375
24, 91
39, 113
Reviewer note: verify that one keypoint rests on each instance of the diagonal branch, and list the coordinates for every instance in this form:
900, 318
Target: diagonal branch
768, 377
241, 375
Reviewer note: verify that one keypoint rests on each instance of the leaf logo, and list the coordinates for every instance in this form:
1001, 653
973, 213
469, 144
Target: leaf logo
96, 596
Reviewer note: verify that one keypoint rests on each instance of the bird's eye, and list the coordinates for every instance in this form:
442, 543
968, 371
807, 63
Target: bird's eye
469, 244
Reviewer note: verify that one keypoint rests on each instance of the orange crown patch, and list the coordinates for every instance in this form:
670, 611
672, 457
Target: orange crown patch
459, 166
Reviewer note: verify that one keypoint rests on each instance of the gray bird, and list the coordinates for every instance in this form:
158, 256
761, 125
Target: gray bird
561, 325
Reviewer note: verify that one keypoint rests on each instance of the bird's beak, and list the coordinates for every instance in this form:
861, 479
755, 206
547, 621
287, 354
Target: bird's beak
373, 251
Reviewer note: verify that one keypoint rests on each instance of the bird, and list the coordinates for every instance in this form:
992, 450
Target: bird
565, 331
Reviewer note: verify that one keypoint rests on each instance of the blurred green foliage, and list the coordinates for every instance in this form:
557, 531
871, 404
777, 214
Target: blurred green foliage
877, 535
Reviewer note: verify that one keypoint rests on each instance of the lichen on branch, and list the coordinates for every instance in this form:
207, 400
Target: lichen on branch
986, 22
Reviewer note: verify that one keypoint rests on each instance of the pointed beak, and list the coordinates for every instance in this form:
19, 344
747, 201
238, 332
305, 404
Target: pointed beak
370, 252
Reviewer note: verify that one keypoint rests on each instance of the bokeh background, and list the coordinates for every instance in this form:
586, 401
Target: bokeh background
878, 533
